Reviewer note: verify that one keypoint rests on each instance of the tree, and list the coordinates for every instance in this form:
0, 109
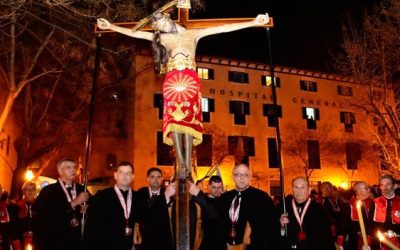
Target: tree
46, 53
371, 57
300, 143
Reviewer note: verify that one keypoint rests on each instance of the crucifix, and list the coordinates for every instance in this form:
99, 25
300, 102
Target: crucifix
174, 47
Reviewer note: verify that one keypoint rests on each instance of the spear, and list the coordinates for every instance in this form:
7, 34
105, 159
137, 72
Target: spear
90, 121
275, 114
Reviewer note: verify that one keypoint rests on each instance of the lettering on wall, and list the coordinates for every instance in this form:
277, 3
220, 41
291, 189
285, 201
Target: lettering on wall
268, 97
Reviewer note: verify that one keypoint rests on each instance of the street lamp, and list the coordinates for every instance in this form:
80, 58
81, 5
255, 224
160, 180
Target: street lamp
29, 175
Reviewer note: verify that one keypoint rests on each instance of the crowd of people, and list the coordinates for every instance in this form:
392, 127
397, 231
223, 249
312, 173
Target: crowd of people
65, 217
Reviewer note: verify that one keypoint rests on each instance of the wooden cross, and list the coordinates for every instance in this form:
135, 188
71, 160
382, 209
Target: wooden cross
183, 197
185, 21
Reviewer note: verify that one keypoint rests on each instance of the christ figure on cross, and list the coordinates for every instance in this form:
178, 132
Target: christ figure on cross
174, 48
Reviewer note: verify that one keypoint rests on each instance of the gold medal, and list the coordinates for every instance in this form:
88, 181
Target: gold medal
233, 233
128, 231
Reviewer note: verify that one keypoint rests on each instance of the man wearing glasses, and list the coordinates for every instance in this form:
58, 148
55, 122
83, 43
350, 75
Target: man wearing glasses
247, 214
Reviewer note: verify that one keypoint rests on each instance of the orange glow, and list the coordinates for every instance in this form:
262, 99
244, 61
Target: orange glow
29, 247
344, 185
383, 239
29, 175
380, 236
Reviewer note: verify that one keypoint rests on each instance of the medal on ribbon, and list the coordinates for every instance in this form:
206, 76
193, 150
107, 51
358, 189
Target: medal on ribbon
126, 206
233, 232
302, 235
74, 221
234, 215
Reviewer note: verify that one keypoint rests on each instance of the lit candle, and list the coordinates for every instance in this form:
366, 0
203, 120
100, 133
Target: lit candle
362, 226
386, 241
29, 247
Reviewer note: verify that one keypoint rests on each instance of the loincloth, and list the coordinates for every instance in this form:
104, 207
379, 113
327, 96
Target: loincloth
182, 100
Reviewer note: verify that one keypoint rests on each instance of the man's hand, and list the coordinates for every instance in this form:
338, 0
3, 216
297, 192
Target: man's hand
193, 189
284, 220
170, 191
81, 198
262, 19
103, 24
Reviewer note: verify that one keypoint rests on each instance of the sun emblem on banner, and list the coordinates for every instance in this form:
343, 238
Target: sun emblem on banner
180, 87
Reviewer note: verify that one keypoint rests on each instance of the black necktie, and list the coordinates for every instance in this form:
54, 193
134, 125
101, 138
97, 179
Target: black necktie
69, 190
237, 200
388, 218
299, 209
154, 195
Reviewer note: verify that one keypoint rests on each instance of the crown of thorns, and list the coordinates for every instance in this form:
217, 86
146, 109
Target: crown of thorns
161, 23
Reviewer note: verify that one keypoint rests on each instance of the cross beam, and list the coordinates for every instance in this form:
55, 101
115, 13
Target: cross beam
185, 21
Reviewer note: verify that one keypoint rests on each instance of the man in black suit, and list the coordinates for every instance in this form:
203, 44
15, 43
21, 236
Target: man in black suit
57, 211
209, 233
153, 214
247, 216
308, 227
112, 214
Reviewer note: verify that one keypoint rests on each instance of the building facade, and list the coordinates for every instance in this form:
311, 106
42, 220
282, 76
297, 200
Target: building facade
323, 136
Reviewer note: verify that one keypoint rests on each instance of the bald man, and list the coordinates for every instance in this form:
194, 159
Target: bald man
308, 227
247, 209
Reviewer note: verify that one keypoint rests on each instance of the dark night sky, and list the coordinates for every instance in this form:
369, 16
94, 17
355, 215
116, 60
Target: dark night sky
306, 32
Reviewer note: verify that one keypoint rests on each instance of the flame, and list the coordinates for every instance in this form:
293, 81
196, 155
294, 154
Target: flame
358, 204
380, 236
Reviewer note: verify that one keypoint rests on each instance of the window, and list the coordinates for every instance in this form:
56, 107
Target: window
272, 113
348, 119
379, 125
207, 106
314, 161
238, 77
272, 153
241, 147
311, 115
267, 81
377, 95
275, 188
344, 90
206, 74
164, 156
158, 102
309, 86
239, 109
204, 151
111, 161
381, 130
353, 154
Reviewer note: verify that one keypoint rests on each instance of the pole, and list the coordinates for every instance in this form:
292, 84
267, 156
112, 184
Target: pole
90, 120
275, 113
182, 224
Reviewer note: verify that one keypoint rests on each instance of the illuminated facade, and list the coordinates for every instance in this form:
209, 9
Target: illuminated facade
322, 136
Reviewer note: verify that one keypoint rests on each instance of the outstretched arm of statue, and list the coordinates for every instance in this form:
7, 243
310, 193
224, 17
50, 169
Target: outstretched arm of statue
103, 24
260, 20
